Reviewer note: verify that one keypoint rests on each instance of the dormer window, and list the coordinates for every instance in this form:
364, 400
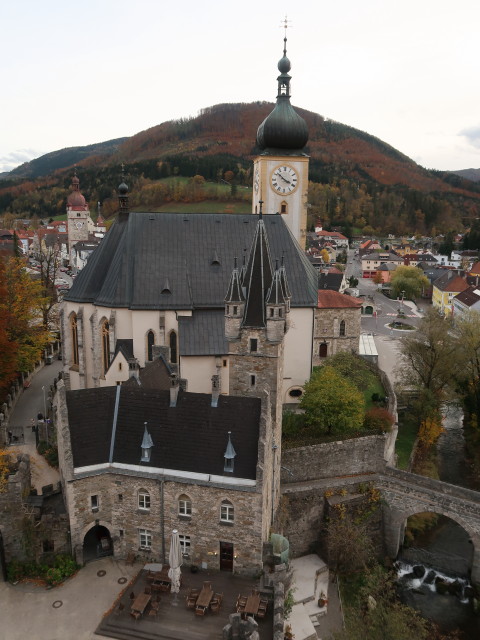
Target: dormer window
147, 444
229, 455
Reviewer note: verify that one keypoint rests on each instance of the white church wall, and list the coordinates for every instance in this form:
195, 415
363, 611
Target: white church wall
198, 370
298, 351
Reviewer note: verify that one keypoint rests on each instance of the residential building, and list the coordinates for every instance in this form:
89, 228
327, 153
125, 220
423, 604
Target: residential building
337, 325
445, 288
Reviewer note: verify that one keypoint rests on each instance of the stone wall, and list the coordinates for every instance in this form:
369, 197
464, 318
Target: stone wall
12, 510
118, 510
331, 459
327, 330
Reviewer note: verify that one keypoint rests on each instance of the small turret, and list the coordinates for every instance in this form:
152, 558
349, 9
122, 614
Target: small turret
234, 305
123, 206
277, 306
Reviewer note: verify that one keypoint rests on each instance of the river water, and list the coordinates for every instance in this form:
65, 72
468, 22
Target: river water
433, 571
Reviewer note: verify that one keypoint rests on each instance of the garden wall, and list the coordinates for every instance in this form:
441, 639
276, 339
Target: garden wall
342, 458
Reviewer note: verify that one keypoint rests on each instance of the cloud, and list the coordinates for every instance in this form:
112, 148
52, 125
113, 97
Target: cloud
16, 158
472, 134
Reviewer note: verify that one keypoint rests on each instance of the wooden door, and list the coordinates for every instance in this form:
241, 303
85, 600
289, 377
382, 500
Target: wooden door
226, 556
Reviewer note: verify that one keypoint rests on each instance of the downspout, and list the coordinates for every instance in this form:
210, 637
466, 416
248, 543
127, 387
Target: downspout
162, 517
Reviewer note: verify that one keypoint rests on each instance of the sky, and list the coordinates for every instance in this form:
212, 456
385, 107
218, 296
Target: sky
76, 73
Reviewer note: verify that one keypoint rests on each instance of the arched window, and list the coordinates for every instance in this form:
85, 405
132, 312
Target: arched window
150, 343
226, 511
74, 337
283, 207
143, 500
323, 350
105, 345
184, 506
173, 347
342, 328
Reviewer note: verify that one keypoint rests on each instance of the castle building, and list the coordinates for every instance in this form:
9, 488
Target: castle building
138, 461
159, 279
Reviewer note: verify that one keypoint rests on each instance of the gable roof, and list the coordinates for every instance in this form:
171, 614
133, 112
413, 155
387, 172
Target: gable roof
334, 300
450, 282
331, 281
189, 437
140, 253
469, 297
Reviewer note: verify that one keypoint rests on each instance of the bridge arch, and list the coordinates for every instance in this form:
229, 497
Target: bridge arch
401, 501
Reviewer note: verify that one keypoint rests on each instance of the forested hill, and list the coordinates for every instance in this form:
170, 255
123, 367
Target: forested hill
358, 181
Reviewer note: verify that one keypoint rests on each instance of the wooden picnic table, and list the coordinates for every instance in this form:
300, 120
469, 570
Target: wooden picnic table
204, 598
140, 603
253, 602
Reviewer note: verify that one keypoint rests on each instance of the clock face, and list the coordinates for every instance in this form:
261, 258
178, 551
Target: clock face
284, 179
79, 224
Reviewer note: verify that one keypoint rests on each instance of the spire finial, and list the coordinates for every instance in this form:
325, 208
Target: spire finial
285, 24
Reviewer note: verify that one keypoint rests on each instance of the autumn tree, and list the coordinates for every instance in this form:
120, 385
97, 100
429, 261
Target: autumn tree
331, 402
350, 547
22, 304
377, 278
48, 255
467, 337
325, 256
428, 358
410, 280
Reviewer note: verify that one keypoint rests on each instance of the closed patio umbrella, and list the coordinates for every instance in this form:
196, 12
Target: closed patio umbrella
175, 561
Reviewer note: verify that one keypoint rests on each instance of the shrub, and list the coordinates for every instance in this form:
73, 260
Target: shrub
378, 419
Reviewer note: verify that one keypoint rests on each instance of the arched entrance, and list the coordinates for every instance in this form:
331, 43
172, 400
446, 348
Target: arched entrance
97, 543
368, 310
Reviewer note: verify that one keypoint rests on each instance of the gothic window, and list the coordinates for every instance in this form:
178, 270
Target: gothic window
342, 328
74, 336
173, 347
184, 506
150, 343
226, 511
143, 500
323, 350
105, 345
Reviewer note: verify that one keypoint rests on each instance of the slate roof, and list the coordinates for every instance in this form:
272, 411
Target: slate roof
450, 282
202, 334
138, 255
332, 281
189, 437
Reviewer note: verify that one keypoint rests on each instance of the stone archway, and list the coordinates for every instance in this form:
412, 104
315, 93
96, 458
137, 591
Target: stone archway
97, 543
368, 310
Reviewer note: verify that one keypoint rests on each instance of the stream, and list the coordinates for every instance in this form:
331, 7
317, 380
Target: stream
433, 571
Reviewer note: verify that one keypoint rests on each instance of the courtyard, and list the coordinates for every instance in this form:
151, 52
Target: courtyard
86, 607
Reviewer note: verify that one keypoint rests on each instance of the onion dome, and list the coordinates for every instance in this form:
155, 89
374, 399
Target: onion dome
122, 189
283, 128
75, 199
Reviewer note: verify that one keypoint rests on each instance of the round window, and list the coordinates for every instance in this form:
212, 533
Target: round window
295, 393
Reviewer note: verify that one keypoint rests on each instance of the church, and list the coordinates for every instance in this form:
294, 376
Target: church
160, 279
183, 337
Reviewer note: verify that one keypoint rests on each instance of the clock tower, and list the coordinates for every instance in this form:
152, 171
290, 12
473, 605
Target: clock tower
280, 172
78, 217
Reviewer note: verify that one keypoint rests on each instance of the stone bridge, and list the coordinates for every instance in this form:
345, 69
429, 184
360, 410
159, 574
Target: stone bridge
405, 494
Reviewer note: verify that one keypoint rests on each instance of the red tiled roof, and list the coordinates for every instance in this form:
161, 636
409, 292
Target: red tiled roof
328, 299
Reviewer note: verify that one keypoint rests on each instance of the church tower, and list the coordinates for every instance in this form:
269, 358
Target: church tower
280, 172
256, 320
78, 216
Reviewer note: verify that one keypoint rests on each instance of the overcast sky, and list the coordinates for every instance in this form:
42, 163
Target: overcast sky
76, 73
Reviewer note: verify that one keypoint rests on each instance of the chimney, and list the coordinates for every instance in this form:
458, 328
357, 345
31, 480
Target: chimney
174, 387
215, 390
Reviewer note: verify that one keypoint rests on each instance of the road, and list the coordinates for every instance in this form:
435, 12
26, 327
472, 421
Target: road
29, 405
